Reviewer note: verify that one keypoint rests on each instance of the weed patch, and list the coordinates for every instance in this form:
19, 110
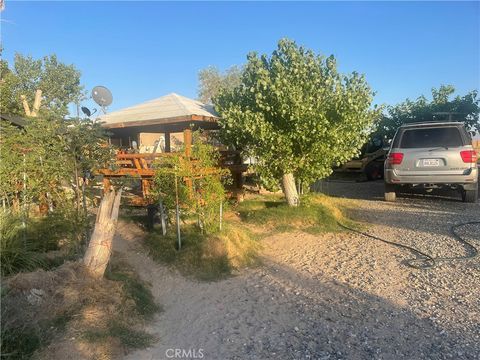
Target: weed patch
216, 256
135, 289
42, 310
316, 214
206, 256
26, 248
128, 337
21, 342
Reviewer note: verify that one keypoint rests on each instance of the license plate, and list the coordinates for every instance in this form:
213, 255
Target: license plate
431, 162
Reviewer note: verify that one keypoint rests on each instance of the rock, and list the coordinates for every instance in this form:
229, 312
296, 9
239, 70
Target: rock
35, 296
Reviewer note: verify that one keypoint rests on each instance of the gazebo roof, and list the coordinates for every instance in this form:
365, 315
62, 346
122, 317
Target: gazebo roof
168, 109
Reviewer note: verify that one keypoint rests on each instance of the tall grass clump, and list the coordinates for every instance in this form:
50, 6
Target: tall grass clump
25, 242
17, 252
206, 256
317, 213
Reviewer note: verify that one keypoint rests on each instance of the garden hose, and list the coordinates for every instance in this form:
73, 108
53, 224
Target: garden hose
423, 260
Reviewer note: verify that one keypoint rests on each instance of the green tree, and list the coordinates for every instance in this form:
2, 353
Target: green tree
441, 107
50, 152
7, 84
50, 155
297, 115
212, 81
60, 85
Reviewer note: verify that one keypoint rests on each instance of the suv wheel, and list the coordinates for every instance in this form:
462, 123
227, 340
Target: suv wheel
390, 194
470, 196
373, 171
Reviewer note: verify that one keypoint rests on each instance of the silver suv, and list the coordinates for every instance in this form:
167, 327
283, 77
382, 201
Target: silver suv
432, 155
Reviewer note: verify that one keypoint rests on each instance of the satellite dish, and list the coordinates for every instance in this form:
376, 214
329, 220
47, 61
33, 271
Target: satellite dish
102, 96
86, 111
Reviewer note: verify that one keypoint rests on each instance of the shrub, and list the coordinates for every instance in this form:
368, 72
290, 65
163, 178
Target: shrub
197, 181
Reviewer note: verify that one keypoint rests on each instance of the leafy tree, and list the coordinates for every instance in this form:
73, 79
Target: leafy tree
7, 85
212, 81
26, 169
461, 108
297, 115
50, 155
42, 162
60, 84
50, 152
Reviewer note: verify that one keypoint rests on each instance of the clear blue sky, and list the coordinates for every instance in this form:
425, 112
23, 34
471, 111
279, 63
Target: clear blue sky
143, 50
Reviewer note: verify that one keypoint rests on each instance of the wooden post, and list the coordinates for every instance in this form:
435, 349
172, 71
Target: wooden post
99, 249
145, 188
167, 142
187, 138
106, 185
238, 180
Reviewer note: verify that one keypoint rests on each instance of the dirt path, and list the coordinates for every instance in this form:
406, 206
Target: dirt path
330, 297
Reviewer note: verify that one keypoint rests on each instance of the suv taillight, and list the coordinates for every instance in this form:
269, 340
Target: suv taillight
469, 156
395, 158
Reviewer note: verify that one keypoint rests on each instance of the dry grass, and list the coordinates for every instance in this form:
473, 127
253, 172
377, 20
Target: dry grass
240, 245
317, 213
54, 313
216, 256
206, 256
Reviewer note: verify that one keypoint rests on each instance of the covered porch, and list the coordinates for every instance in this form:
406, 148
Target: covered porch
160, 128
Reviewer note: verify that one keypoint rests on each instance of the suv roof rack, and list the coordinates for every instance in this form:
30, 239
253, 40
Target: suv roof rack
430, 123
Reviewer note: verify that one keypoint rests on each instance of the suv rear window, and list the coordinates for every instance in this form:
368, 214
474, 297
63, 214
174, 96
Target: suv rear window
431, 137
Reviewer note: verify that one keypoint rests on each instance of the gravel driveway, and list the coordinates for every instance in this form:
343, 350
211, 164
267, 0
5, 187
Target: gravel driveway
334, 296
448, 296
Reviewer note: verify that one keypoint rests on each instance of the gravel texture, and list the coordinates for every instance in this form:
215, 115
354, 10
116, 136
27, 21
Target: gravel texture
333, 296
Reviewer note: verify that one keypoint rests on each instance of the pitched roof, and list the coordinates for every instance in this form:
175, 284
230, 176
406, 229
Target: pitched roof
168, 108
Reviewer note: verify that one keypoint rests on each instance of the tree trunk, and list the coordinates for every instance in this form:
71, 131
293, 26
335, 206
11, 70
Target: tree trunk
290, 190
100, 246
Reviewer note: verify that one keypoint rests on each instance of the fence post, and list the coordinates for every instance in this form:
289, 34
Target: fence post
179, 238
221, 215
